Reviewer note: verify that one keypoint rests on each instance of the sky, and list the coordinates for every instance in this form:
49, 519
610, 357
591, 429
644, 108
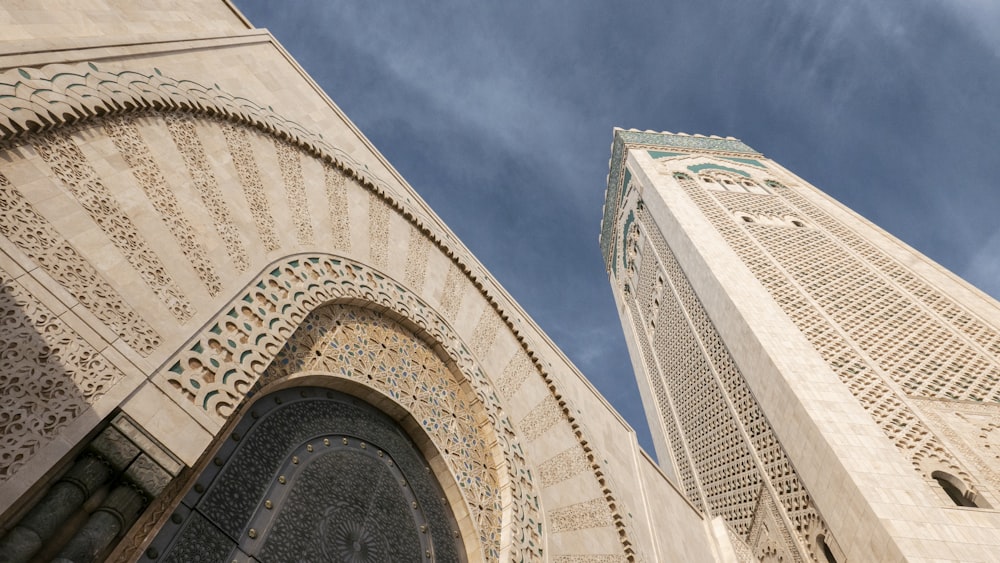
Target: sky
500, 115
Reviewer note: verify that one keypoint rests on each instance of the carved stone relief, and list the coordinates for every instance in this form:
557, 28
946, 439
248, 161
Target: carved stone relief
130, 144
562, 466
485, 332
49, 375
543, 416
214, 372
811, 310
593, 513
366, 346
291, 172
70, 166
34, 236
336, 193
378, 231
416, 258
972, 430
453, 292
514, 375
185, 135
238, 142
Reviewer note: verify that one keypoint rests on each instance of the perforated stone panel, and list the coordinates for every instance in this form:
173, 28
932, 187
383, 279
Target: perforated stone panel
728, 458
881, 340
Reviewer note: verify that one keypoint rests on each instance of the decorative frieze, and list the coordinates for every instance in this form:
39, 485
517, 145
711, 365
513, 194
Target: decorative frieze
49, 375
453, 292
593, 513
543, 416
238, 142
130, 144
185, 135
378, 231
335, 181
416, 258
40, 241
213, 374
70, 166
289, 160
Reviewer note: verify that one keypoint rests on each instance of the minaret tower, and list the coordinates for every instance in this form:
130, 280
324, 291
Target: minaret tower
830, 392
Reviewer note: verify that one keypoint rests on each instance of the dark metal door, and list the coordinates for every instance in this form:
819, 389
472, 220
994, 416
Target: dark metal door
313, 475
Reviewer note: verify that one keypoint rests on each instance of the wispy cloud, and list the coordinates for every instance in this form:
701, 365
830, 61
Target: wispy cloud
500, 115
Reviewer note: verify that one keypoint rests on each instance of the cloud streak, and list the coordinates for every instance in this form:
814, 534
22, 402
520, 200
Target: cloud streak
500, 115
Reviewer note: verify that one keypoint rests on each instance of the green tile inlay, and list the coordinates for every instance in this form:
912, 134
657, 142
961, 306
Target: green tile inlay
749, 161
664, 154
699, 167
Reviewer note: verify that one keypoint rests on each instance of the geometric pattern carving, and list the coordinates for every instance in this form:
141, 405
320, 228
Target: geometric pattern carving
341, 480
289, 161
131, 146
972, 431
743, 552
592, 513
485, 332
367, 346
185, 136
41, 99
562, 466
69, 164
238, 142
922, 338
49, 375
34, 236
543, 416
378, 230
768, 537
514, 375
789, 249
453, 291
726, 451
336, 194
416, 258
215, 372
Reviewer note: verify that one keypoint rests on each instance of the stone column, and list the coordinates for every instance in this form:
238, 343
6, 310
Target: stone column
112, 519
61, 501
143, 479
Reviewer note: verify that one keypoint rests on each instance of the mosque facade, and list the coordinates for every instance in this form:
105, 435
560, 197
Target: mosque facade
231, 331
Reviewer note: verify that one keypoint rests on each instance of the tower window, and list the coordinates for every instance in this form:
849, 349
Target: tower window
957, 491
825, 547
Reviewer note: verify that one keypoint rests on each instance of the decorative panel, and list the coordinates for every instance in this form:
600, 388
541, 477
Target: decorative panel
49, 376
38, 239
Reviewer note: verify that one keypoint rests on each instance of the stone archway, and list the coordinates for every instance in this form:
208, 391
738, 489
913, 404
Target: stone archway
310, 473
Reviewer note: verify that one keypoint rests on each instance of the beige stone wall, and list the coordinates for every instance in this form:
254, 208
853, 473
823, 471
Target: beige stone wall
50, 25
157, 259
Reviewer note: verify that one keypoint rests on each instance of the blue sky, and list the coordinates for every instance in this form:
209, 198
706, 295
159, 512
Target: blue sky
500, 115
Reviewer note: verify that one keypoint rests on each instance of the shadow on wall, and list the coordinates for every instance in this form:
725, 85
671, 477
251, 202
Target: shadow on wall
96, 492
